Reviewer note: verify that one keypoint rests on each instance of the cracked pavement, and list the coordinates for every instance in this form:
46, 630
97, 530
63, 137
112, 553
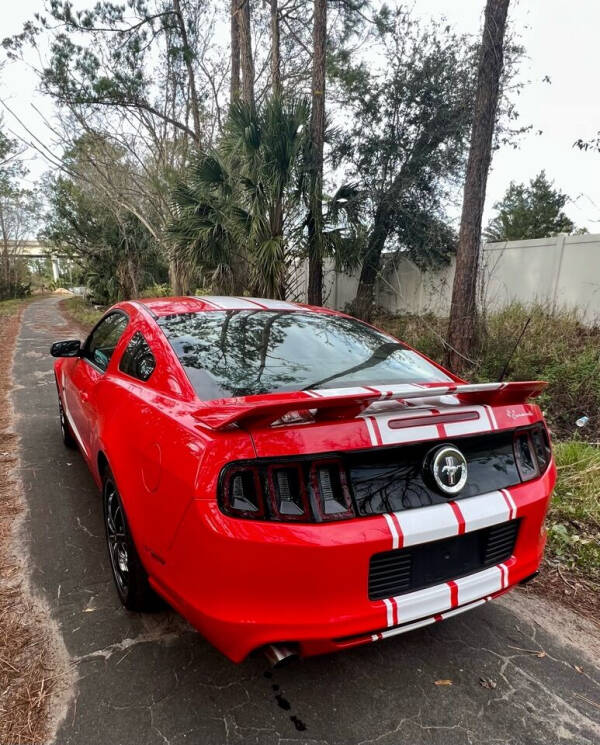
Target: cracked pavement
152, 679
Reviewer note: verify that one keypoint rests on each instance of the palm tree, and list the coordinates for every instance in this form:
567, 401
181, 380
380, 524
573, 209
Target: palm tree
239, 205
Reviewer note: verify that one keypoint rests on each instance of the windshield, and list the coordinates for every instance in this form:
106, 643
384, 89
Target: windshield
246, 352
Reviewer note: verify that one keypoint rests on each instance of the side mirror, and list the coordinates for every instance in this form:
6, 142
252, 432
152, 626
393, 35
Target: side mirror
70, 348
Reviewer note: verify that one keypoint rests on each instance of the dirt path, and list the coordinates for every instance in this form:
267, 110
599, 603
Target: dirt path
35, 673
521, 671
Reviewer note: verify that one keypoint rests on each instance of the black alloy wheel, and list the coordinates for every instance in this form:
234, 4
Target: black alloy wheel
131, 579
65, 427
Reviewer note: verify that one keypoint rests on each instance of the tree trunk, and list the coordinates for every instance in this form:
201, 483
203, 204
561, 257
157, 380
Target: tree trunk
463, 311
187, 58
362, 307
246, 53
317, 136
235, 51
179, 279
382, 224
275, 56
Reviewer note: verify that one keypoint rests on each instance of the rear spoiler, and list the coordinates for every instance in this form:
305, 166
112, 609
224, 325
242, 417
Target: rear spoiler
347, 403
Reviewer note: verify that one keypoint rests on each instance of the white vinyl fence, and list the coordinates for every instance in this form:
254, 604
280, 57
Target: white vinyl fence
561, 272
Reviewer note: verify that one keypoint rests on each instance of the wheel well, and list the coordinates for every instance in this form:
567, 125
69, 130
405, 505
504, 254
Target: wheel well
102, 463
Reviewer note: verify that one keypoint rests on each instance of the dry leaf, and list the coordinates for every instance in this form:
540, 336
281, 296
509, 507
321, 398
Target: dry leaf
487, 683
579, 669
540, 654
443, 682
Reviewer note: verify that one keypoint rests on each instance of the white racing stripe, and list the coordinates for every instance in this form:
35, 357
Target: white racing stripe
333, 392
273, 304
439, 598
483, 424
422, 603
393, 530
492, 416
484, 510
427, 621
390, 611
425, 524
401, 435
403, 629
478, 585
511, 502
224, 302
463, 608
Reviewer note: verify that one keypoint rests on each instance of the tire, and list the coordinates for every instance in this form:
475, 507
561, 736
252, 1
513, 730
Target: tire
130, 577
65, 428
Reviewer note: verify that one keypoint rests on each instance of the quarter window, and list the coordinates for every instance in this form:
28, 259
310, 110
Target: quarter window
138, 360
104, 338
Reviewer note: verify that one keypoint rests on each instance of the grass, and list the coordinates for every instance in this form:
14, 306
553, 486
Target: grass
10, 307
84, 314
574, 516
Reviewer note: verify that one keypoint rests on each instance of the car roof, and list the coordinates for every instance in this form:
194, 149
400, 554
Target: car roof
166, 306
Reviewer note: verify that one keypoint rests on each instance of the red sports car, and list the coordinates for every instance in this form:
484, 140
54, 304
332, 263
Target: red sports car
288, 475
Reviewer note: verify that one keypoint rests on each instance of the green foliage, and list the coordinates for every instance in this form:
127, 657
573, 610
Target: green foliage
10, 307
106, 55
557, 347
157, 290
533, 211
81, 311
405, 138
114, 250
574, 517
239, 204
18, 217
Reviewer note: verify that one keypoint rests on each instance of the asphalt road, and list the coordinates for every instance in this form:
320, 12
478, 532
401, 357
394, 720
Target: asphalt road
153, 680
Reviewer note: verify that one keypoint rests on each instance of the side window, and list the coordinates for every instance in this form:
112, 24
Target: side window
101, 343
138, 360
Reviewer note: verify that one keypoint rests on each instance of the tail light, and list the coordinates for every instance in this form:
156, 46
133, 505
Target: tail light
306, 491
532, 451
241, 495
541, 446
287, 493
332, 497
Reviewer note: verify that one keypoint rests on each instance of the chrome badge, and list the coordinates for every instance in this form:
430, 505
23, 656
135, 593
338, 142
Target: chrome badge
448, 467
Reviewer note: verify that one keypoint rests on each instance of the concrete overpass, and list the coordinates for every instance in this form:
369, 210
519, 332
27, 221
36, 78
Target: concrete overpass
37, 250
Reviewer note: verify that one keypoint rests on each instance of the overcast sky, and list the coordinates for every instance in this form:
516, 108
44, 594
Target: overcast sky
561, 43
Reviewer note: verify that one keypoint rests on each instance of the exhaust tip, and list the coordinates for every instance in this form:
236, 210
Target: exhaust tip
279, 655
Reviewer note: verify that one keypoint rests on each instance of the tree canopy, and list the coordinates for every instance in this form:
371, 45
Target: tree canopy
240, 143
533, 210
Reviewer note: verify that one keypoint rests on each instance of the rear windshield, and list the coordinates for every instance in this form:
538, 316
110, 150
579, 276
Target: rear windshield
246, 352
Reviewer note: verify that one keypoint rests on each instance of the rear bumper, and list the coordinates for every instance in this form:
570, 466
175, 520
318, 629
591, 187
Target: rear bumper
245, 584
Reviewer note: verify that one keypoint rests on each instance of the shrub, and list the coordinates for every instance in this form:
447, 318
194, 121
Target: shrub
156, 290
557, 347
574, 517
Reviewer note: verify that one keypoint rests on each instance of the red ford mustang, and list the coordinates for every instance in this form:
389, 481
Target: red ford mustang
284, 474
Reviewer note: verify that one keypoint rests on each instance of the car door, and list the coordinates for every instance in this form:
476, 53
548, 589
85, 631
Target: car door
86, 374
